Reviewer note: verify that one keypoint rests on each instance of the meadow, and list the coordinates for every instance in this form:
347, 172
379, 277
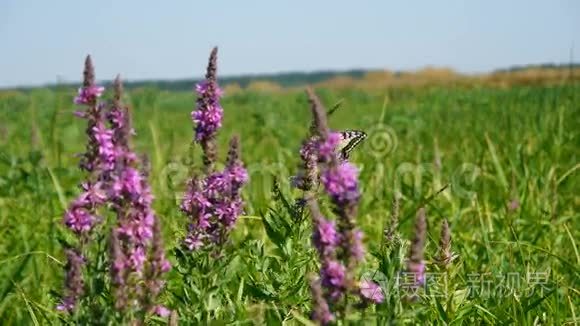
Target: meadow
500, 164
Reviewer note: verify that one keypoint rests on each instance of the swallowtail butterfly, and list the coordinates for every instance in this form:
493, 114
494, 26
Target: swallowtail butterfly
349, 140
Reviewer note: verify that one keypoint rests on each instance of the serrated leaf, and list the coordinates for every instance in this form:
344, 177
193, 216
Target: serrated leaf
274, 232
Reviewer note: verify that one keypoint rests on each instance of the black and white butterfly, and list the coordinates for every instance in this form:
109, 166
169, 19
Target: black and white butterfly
349, 140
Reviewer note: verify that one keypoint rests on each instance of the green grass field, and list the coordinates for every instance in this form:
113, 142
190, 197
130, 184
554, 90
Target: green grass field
510, 158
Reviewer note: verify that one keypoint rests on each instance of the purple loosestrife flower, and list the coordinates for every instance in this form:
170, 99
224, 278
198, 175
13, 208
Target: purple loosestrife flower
105, 147
340, 180
307, 177
321, 312
314, 150
88, 94
137, 227
215, 203
308, 148
208, 113
357, 251
196, 206
417, 269
212, 201
79, 218
415, 263
118, 270
333, 279
81, 215
98, 155
340, 250
341, 183
308, 174
326, 240
327, 148
158, 265
236, 176
74, 284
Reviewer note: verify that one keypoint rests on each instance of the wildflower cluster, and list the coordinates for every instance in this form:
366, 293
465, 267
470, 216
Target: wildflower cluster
117, 200
115, 182
339, 243
213, 200
137, 233
81, 216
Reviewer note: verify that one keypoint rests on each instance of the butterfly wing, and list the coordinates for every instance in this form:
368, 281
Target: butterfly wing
349, 140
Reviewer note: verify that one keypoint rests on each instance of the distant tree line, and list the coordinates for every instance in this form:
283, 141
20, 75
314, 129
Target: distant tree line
515, 68
286, 79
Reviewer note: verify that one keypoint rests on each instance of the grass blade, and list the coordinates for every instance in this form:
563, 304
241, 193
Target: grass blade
496, 163
58, 189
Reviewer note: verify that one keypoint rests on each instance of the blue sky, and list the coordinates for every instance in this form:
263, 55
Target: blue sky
43, 41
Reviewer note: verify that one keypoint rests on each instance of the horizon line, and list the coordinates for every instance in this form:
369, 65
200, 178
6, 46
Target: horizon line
264, 75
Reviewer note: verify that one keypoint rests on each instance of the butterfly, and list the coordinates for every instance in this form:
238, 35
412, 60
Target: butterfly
349, 139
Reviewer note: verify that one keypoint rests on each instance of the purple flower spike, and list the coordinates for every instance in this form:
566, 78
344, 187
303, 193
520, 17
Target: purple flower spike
341, 183
321, 312
66, 305
340, 250
308, 148
325, 237
89, 94
193, 242
333, 279
79, 219
214, 203
115, 181
327, 148
208, 121
138, 250
74, 284
98, 160
208, 114
357, 250
81, 216
105, 147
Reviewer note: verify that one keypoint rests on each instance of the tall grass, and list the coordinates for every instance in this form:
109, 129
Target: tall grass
495, 147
